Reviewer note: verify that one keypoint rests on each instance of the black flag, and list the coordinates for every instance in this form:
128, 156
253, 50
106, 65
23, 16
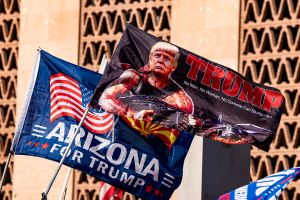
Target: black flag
152, 80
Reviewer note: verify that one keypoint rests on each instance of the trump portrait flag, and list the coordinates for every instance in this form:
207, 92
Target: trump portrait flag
150, 80
148, 166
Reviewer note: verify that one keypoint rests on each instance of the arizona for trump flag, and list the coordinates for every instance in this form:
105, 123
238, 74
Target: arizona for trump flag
269, 187
58, 95
148, 166
150, 83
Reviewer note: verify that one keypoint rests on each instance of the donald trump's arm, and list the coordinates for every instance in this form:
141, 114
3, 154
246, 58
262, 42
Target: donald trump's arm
109, 100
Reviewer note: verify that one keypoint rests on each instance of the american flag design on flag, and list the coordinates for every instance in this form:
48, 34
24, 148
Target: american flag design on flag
69, 99
108, 192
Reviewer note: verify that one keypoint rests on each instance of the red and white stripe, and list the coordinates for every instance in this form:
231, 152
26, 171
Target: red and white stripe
66, 100
108, 192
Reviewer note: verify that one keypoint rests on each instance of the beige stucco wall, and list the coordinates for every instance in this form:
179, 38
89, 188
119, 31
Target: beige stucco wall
210, 29
206, 27
52, 25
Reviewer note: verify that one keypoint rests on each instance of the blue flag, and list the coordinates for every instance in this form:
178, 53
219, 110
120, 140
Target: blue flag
146, 160
269, 187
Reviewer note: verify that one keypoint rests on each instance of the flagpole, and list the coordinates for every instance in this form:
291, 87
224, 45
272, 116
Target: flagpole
64, 188
102, 67
45, 193
5, 169
25, 106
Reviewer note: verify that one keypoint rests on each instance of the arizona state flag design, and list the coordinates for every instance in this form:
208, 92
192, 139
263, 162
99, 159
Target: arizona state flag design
167, 135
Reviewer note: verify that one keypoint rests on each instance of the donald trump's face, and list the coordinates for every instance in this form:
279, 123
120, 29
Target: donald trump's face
162, 62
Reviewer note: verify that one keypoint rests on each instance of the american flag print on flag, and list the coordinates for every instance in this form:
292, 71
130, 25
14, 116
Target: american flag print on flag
69, 99
109, 192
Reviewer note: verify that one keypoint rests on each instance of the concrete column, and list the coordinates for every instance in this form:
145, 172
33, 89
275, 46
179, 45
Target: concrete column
52, 25
210, 28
